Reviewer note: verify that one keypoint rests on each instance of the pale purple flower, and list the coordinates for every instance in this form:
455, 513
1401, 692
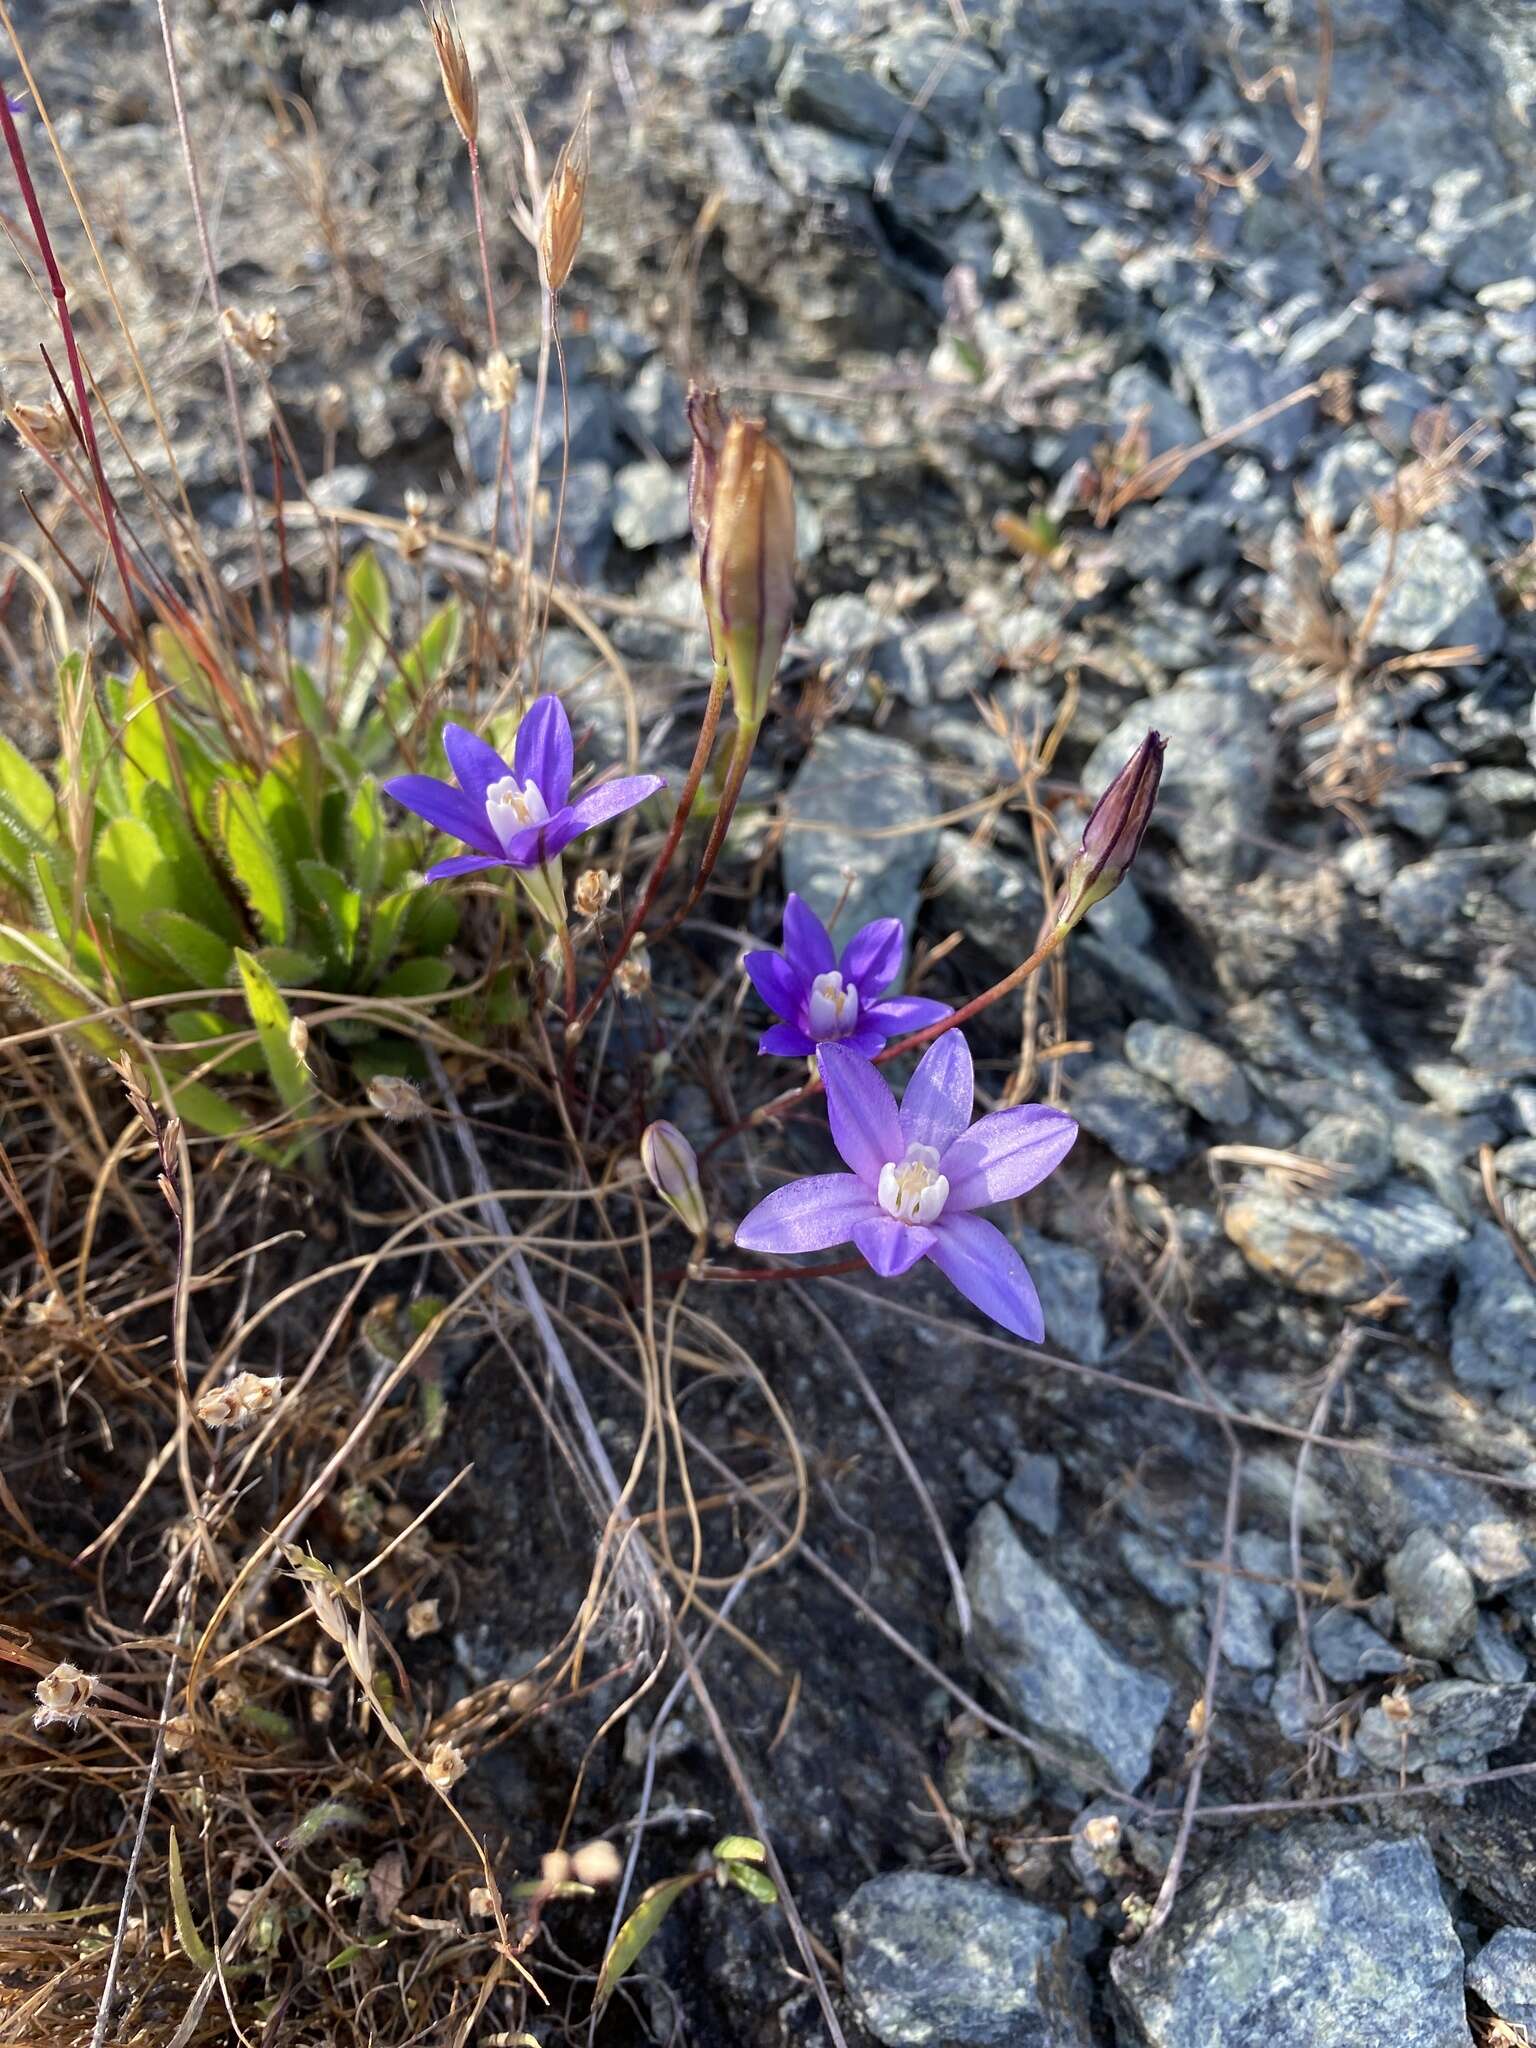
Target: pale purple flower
822, 995
916, 1177
515, 817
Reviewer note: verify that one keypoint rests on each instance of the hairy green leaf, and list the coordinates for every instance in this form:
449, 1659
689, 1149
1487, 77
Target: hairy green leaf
242, 833
365, 837
341, 907
193, 1946
25, 790
365, 637
207, 959
639, 1930
274, 1027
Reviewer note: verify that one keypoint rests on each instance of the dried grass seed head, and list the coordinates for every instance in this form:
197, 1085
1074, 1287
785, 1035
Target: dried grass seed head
247, 1398
459, 88
565, 203
63, 1695
262, 337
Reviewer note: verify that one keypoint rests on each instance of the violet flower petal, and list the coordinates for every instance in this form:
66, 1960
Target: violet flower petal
937, 1105
777, 983
788, 1041
474, 761
449, 809
865, 1038
807, 947
543, 753
464, 864
861, 1111
610, 798
1006, 1154
979, 1260
808, 1215
893, 1015
892, 1247
871, 960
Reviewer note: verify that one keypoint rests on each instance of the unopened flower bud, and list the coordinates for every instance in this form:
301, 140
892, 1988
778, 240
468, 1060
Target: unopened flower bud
741, 503
672, 1168
565, 204
1113, 833
63, 1695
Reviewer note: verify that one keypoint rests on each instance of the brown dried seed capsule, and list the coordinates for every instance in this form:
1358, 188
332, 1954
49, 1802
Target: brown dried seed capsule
44, 427
565, 206
446, 1765
260, 336
63, 1695
593, 891
396, 1098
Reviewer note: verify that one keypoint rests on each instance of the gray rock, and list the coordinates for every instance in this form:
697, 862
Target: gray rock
1345, 476
1503, 1976
1071, 1286
1516, 1162
1424, 899
1357, 1144
1162, 543
1439, 594
994, 898
1349, 1650
654, 405
1139, 399
1325, 1936
941, 1962
853, 775
954, 76
1329, 341
1449, 1085
1062, 1681
1491, 1656
944, 660
1158, 1572
1192, 1068
1033, 1494
1453, 1723
988, 1779
818, 87
1344, 1247
1137, 1118
1218, 769
592, 435
1230, 385
1498, 1033
1254, 1604
1433, 1595
650, 504
1493, 1322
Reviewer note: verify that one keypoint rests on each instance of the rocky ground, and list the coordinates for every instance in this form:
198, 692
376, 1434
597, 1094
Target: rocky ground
979, 282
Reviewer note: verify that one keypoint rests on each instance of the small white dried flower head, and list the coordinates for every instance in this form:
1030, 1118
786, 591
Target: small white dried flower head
260, 336
455, 380
63, 1695
415, 504
331, 409
499, 575
593, 892
555, 1868
51, 1312
633, 974
423, 1618
596, 1863
179, 1734
45, 427
298, 1038
445, 1766
1101, 1833
395, 1098
481, 1904
246, 1398
499, 379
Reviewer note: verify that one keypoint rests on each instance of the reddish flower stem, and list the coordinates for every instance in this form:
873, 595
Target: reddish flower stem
735, 776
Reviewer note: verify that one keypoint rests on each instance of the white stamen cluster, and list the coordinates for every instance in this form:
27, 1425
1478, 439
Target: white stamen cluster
512, 806
913, 1190
833, 1010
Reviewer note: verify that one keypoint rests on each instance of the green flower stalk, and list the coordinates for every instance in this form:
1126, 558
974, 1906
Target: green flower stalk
1113, 833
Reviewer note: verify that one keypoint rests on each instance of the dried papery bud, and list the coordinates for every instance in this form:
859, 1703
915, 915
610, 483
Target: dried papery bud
596, 1863
423, 1618
458, 79
446, 1765
396, 1098
180, 1733
260, 336
565, 206
246, 1398
63, 1695
331, 409
481, 1904
672, 1168
741, 500
52, 1312
499, 379
415, 504
1113, 833
499, 574
632, 976
298, 1038
593, 891
555, 1868
455, 381
44, 427
228, 1699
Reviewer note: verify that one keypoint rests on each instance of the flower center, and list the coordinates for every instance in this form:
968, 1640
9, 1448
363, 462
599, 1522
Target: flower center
913, 1190
512, 806
833, 1010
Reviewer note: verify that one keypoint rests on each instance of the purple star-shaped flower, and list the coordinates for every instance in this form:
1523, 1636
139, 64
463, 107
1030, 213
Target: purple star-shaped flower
515, 817
822, 996
917, 1175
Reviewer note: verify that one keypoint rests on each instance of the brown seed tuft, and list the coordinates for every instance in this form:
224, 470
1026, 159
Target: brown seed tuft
459, 87
565, 205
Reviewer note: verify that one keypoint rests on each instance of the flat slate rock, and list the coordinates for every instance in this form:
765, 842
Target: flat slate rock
1325, 1936
851, 784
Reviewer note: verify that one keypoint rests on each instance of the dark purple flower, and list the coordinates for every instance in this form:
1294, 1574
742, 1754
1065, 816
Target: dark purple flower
515, 817
821, 996
1113, 834
917, 1174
